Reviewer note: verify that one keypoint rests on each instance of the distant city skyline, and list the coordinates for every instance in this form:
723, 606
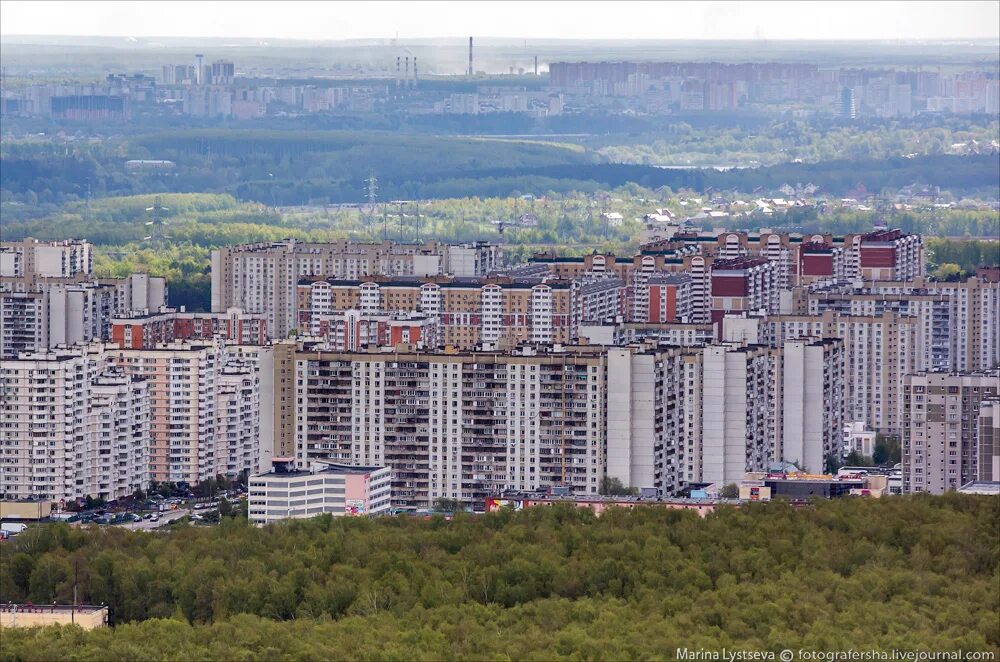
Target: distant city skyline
535, 20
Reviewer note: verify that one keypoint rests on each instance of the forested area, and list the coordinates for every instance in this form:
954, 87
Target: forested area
287, 167
549, 582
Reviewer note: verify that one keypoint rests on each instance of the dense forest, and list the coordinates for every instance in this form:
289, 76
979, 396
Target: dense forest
550, 582
297, 167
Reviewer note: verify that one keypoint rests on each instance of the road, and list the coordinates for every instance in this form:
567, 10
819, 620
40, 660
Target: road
165, 518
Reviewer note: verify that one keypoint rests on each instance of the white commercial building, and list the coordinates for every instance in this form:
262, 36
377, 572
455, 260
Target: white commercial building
336, 489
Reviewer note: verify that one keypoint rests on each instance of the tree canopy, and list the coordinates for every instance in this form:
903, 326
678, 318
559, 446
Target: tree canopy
544, 583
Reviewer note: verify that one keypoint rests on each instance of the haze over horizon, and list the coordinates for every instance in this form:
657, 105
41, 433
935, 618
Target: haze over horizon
806, 21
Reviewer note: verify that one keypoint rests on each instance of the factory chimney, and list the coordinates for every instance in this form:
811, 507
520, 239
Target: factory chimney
414, 71
406, 71
471, 70
536, 65
398, 65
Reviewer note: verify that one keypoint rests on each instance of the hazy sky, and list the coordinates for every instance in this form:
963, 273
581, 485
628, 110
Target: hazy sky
615, 20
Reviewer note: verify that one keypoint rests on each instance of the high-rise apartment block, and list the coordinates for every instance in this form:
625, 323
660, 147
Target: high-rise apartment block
149, 330
811, 421
30, 259
988, 446
72, 427
942, 425
44, 312
878, 351
455, 425
262, 278
469, 312
958, 323
204, 409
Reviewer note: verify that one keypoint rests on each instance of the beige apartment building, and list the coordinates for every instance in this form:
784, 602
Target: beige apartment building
262, 278
878, 351
941, 431
205, 409
496, 311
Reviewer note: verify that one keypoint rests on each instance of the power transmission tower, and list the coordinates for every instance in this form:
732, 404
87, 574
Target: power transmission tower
372, 189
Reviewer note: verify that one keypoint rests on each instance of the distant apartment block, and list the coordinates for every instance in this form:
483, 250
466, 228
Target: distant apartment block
469, 312
262, 278
31, 258
49, 312
205, 409
149, 330
456, 425
941, 432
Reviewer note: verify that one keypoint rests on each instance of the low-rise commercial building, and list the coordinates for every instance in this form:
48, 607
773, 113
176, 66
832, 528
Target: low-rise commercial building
335, 489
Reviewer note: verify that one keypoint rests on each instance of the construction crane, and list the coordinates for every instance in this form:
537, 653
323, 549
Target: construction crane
158, 223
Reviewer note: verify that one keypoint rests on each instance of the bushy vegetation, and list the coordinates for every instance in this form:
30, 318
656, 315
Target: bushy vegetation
909, 573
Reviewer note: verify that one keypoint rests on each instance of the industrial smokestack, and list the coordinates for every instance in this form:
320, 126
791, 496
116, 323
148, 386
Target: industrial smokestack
471, 70
398, 65
407, 69
414, 71
536, 65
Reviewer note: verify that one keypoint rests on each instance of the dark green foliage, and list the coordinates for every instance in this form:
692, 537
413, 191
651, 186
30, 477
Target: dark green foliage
613, 486
907, 572
887, 451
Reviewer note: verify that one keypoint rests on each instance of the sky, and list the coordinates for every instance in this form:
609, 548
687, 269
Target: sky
525, 20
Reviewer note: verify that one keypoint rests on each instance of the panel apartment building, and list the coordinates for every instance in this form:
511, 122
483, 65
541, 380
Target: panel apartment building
941, 434
262, 278
459, 425
46, 312
468, 312
204, 409
72, 426
879, 350
958, 323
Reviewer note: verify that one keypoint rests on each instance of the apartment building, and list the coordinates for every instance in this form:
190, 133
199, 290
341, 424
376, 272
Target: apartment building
988, 447
738, 412
664, 299
942, 415
654, 416
353, 330
48, 312
262, 278
744, 285
146, 331
469, 312
959, 323
30, 259
237, 420
71, 427
619, 332
205, 409
878, 351
337, 489
457, 425
810, 427
601, 299
889, 255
